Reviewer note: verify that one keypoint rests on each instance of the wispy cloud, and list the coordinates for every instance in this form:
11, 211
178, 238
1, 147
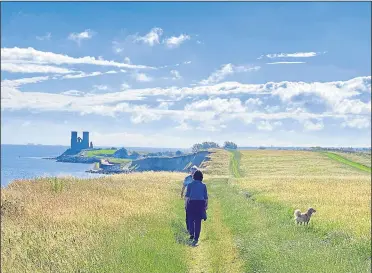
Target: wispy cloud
31, 55
287, 63
358, 122
78, 37
142, 77
101, 87
124, 86
152, 38
225, 70
175, 75
213, 112
46, 37
292, 55
174, 41
33, 68
265, 125
310, 125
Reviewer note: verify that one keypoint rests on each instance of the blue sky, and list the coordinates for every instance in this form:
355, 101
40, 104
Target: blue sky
173, 74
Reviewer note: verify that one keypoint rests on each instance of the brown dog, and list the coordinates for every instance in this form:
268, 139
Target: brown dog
303, 217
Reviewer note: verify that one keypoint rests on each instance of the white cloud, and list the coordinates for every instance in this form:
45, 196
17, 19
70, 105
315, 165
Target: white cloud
116, 47
337, 95
265, 125
124, 86
356, 106
142, 114
76, 93
293, 55
82, 75
358, 122
33, 68
217, 105
176, 75
225, 70
252, 101
152, 38
19, 82
174, 41
184, 127
287, 63
164, 105
141, 77
211, 114
47, 37
101, 87
313, 126
78, 37
31, 55
127, 60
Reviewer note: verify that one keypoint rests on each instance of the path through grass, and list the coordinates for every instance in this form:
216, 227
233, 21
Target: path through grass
235, 163
262, 228
346, 161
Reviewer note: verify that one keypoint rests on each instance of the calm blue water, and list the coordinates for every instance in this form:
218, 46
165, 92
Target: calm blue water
25, 161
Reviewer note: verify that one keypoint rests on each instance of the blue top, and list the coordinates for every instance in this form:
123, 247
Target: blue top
188, 180
197, 190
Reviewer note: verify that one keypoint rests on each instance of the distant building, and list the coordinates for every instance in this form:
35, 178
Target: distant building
78, 143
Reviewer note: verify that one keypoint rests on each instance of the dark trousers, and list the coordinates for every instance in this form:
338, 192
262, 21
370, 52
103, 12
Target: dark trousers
187, 220
195, 209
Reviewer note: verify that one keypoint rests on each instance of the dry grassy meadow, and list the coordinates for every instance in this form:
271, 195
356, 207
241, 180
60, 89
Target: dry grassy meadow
135, 222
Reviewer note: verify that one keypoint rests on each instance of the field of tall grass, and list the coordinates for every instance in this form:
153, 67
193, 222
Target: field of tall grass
110, 224
363, 158
341, 193
135, 222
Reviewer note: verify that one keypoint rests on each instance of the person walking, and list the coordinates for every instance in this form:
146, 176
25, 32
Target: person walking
187, 181
196, 203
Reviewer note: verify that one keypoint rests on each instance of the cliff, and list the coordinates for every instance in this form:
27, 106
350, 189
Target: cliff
77, 159
180, 163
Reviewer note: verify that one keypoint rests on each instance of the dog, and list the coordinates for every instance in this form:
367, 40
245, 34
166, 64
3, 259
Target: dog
303, 217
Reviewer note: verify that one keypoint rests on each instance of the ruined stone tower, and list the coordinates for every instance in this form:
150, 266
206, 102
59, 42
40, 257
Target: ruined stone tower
78, 143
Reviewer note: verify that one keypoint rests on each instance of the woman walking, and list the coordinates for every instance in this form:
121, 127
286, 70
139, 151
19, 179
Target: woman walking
196, 203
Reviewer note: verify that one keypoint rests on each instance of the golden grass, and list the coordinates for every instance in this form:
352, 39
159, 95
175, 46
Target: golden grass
340, 193
361, 158
53, 225
218, 164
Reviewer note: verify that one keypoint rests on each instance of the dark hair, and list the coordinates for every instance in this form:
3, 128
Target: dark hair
198, 175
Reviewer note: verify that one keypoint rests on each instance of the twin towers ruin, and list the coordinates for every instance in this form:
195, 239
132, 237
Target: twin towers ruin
78, 143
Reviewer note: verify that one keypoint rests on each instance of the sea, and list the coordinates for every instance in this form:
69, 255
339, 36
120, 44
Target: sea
27, 162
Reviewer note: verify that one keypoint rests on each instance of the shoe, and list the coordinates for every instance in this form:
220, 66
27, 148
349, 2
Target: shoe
194, 243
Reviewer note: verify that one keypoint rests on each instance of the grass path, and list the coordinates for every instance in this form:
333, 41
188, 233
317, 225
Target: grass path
234, 164
266, 238
348, 162
216, 251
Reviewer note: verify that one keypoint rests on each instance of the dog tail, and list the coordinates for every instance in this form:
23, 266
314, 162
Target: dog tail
297, 213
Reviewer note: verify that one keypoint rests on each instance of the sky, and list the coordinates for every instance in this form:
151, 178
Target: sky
174, 74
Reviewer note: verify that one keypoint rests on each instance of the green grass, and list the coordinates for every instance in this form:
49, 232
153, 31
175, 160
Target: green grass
104, 152
348, 162
135, 222
118, 160
269, 241
234, 163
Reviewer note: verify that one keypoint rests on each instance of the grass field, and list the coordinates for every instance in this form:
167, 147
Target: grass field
135, 222
361, 157
103, 152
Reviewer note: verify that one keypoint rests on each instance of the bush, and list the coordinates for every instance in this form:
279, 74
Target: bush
230, 145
